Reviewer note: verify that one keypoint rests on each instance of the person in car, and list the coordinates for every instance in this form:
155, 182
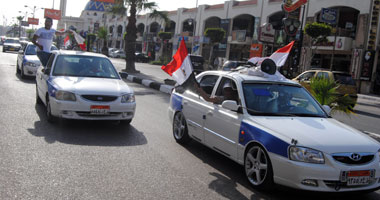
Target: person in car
229, 93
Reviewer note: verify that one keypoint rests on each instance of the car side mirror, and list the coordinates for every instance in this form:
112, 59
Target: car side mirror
21, 52
230, 105
327, 109
123, 75
46, 71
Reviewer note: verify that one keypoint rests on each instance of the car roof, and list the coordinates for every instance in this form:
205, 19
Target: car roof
248, 76
80, 53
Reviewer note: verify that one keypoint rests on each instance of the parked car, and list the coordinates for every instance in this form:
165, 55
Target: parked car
231, 65
11, 44
347, 83
278, 132
83, 85
140, 57
198, 63
117, 54
27, 60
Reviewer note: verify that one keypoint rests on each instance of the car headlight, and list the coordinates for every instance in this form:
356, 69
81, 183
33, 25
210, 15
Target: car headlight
303, 154
65, 96
128, 98
31, 64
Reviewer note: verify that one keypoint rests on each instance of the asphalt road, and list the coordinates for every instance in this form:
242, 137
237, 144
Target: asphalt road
103, 160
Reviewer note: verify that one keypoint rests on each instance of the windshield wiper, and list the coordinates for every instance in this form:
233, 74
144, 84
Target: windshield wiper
306, 115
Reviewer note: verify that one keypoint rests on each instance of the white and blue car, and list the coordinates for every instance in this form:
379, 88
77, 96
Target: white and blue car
86, 86
278, 132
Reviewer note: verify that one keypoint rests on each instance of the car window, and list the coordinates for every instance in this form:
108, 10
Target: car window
306, 76
84, 66
31, 50
233, 93
278, 99
12, 41
208, 82
344, 79
323, 75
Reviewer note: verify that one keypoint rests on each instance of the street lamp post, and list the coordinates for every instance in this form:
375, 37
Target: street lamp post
34, 9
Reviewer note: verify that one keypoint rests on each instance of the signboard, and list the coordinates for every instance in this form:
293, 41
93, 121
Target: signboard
374, 25
256, 50
329, 16
341, 44
266, 33
291, 5
96, 27
224, 24
369, 57
24, 23
33, 21
54, 14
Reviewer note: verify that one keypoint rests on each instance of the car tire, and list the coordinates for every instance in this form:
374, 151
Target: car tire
258, 168
18, 71
38, 99
180, 131
22, 72
49, 116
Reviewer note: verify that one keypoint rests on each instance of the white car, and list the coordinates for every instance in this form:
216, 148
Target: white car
27, 60
278, 132
82, 85
117, 54
11, 44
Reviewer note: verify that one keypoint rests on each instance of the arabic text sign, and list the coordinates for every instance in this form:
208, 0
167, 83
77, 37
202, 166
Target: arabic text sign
329, 15
54, 14
33, 21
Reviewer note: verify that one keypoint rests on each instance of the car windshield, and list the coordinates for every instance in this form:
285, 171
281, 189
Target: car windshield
84, 66
280, 100
12, 41
344, 79
32, 49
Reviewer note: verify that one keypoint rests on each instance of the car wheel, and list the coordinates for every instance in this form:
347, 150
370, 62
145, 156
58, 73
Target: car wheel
258, 168
22, 72
180, 132
17, 68
38, 99
49, 116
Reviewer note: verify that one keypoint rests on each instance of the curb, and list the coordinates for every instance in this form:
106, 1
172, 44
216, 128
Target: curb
377, 99
152, 84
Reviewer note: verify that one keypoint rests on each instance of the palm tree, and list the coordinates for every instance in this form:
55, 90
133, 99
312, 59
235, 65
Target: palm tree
19, 18
324, 90
102, 34
120, 7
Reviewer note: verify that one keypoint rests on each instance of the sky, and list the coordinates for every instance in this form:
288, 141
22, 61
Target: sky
9, 11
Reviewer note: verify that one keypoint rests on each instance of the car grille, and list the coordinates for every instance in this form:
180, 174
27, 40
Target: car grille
99, 98
347, 160
88, 114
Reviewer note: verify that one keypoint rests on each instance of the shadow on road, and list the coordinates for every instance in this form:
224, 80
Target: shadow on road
232, 174
376, 105
90, 133
27, 80
359, 112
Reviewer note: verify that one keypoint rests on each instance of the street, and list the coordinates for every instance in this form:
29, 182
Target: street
103, 160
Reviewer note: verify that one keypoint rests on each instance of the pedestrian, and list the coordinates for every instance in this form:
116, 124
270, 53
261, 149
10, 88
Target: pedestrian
43, 39
216, 63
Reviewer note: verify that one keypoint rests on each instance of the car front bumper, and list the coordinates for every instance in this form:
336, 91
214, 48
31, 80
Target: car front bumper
80, 109
10, 48
30, 71
327, 176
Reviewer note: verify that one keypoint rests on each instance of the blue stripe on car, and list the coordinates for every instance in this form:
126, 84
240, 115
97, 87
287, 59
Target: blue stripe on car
51, 88
270, 142
176, 102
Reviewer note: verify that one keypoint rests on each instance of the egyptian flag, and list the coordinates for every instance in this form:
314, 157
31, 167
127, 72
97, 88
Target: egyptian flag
67, 42
180, 68
279, 57
80, 41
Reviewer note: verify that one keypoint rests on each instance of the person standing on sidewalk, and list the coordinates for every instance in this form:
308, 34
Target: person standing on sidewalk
43, 39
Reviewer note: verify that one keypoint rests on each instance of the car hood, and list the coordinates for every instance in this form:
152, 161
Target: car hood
84, 85
32, 58
323, 134
12, 44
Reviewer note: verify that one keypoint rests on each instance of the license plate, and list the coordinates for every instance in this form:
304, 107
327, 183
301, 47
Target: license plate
99, 110
354, 178
12, 49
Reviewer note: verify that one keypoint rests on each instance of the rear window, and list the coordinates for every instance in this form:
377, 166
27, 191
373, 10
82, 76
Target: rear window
344, 79
12, 41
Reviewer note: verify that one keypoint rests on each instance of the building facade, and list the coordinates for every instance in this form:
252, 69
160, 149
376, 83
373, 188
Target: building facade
355, 38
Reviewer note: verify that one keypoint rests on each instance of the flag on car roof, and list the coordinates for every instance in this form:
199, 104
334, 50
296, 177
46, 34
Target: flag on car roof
67, 42
180, 68
279, 56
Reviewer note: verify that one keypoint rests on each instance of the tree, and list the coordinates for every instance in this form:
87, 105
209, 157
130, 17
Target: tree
102, 34
120, 7
324, 90
19, 18
30, 33
216, 35
318, 33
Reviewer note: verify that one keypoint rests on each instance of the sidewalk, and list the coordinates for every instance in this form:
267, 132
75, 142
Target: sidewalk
371, 97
